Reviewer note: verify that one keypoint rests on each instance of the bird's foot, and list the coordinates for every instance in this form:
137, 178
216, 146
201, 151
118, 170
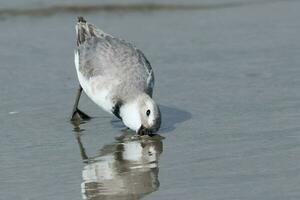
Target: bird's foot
78, 115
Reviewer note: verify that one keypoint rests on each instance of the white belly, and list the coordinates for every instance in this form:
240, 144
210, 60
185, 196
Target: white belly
95, 88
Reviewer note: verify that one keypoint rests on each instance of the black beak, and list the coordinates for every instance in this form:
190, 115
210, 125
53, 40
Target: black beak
144, 131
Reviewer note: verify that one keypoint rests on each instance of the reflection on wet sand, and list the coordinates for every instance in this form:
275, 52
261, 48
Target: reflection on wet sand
126, 169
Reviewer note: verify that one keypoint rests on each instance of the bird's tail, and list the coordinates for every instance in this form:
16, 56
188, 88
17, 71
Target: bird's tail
85, 30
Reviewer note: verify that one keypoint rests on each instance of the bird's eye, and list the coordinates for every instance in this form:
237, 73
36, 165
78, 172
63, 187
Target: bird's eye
148, 112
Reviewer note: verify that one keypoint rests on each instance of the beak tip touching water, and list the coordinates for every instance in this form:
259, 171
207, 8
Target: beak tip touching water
145, 131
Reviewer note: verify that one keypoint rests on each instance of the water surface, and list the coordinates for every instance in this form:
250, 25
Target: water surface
228, 84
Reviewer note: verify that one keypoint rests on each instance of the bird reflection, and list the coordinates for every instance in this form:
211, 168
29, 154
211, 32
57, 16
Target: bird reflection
124, 170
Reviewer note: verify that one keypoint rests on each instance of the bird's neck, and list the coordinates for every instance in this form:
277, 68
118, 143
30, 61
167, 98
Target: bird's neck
130, 115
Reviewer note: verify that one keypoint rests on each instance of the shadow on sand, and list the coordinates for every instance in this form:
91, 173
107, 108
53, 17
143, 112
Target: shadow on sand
171, 117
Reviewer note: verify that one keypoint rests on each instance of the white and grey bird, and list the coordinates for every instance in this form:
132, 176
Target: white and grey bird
117, 77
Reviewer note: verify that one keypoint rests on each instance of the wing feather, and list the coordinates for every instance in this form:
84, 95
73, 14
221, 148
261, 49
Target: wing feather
118, 59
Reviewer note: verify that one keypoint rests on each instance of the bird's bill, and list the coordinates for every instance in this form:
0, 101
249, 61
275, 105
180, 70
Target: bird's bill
141, 130
144, 131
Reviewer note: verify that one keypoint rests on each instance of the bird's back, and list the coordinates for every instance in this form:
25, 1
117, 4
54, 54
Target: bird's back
102, 56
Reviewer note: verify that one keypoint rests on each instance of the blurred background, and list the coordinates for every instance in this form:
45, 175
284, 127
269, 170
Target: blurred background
227, 80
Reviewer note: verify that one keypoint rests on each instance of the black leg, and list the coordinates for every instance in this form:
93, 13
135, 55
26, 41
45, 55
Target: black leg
78, 115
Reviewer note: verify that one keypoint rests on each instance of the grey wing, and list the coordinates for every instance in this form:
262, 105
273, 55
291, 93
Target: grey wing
92, 49
133, 66
116, 58
94, 57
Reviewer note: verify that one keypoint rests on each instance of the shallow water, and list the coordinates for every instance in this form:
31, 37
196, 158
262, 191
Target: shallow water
228, 84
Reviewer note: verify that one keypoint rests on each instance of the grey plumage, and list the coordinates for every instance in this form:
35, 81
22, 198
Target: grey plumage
117, 77
102, 55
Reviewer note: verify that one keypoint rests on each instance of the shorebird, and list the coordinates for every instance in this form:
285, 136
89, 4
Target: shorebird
117, 77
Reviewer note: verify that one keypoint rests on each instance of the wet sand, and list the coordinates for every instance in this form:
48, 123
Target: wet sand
228, 84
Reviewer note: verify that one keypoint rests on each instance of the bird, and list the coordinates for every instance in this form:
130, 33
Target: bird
117, 77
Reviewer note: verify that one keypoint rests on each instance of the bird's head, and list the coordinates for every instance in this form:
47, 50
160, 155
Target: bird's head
142, 115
